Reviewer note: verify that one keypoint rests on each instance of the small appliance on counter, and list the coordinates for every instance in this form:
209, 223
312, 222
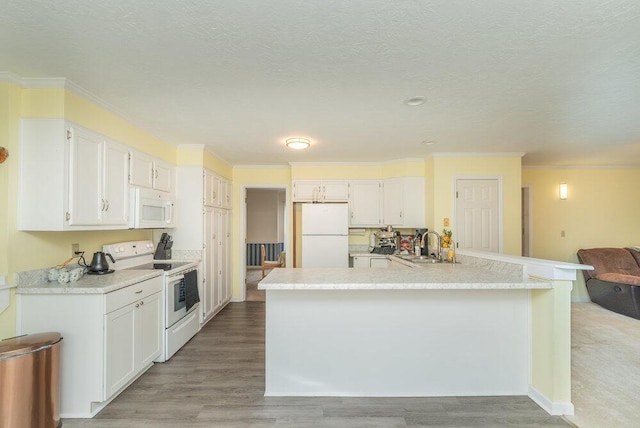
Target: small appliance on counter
99, 264
163, 250
387, 241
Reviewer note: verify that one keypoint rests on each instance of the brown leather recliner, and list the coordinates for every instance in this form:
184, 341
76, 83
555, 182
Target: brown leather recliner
614, 283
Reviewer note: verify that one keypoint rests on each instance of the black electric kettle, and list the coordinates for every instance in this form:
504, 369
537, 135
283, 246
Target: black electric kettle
99, 264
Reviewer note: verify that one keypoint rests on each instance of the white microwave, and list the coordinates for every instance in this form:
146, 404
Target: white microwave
151, 209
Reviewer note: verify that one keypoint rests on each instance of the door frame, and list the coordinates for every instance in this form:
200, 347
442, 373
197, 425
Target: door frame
500, 203
528, 228
243, 229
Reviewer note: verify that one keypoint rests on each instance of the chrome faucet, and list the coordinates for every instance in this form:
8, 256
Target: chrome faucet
439, 251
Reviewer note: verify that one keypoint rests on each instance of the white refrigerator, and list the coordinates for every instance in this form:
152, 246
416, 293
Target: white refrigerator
325, 235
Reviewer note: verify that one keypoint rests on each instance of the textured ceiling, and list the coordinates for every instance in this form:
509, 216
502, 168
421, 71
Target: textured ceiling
558, 80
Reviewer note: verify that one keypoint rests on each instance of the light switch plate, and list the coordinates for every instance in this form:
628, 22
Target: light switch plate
446, 222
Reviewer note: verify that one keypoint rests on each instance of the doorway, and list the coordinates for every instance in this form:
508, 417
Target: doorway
478, 213
264, 220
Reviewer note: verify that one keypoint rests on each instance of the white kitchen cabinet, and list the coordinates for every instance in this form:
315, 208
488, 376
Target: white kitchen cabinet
365, 203
133, 336
370, 261
201, 226
392, 202
85, 182
109, 339
146, 171
398, 202
320, 190
217, 191
98, 189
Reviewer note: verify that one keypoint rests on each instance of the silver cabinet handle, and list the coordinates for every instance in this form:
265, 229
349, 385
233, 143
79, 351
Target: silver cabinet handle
138, 292
107, 202
137, 305
103, 205
142, 303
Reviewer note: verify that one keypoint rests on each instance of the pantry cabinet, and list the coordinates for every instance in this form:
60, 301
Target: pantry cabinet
146, 171
203, 226
86, 178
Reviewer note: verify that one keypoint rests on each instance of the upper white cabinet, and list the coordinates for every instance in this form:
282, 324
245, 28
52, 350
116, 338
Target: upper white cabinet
392, 202
217, 191
146, 171
320, 190
70, 178
396, 201
365, 203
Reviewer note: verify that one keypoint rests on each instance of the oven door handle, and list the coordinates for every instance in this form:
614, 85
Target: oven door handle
175, 278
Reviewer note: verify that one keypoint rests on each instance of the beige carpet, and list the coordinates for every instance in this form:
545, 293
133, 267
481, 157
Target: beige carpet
605, 368
253, 277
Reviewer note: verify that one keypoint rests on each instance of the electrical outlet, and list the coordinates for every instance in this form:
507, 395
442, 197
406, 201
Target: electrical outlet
75, 248
446, 222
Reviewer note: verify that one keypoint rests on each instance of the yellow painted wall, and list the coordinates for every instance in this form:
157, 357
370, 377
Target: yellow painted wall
21, 251
218, 165
447, 169
601, 211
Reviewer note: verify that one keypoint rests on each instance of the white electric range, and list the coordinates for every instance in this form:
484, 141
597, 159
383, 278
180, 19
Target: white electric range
180, 310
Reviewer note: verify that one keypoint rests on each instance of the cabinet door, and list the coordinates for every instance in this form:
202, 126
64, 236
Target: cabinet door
414, 202
210, 189
120, 346
306, 190
365, 203
162, 176
148, 331
141, 170
392, 202
226, 250
227, 202
335, 191
116, 188
208, 298
360, 262
85, 179
217, 197
221, 258
379, 262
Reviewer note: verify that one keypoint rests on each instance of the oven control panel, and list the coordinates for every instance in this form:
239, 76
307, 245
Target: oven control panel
123, 250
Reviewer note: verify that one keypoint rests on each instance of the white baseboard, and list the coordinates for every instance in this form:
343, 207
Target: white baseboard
553, 408
580, 299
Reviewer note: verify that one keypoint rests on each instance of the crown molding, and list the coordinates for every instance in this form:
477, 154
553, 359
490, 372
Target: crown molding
478, 154
191, 146
387, 162
284, 167
576, 167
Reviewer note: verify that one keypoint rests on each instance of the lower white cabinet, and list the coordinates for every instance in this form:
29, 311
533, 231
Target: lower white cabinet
133, 340
108, 339
372, 261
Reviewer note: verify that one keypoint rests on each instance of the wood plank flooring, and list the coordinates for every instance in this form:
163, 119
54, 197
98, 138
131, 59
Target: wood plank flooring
217, 380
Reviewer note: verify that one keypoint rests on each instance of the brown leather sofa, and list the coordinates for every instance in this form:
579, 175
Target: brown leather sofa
614, 283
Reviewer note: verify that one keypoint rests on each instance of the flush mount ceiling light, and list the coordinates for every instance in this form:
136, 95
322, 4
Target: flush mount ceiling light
298, 143
428, 142
415, 101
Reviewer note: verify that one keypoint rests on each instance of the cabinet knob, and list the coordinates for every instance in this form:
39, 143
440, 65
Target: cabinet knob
142, 303
137, 305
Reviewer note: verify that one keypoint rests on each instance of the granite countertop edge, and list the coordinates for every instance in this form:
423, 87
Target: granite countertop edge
90, 284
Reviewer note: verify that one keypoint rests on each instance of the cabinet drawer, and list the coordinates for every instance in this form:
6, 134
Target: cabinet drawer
132, 293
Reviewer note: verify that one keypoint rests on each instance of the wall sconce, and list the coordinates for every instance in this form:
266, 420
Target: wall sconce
563, 191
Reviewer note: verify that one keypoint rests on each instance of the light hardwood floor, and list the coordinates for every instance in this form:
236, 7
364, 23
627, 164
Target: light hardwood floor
217, 380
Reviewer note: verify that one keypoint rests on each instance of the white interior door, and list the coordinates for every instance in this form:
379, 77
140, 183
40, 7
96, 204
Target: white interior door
478, 214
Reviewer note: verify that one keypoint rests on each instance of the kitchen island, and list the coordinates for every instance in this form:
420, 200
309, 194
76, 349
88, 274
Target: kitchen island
488, 326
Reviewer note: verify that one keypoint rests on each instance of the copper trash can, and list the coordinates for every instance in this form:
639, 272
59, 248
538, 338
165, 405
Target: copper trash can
30, 386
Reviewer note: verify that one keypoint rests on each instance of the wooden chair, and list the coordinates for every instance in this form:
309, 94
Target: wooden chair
269, 264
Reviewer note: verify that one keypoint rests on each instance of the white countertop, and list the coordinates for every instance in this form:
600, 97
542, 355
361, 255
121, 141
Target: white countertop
91, 284
441, 276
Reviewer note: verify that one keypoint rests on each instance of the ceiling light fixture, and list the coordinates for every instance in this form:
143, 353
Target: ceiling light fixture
415, 101
428, 142
298, 143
